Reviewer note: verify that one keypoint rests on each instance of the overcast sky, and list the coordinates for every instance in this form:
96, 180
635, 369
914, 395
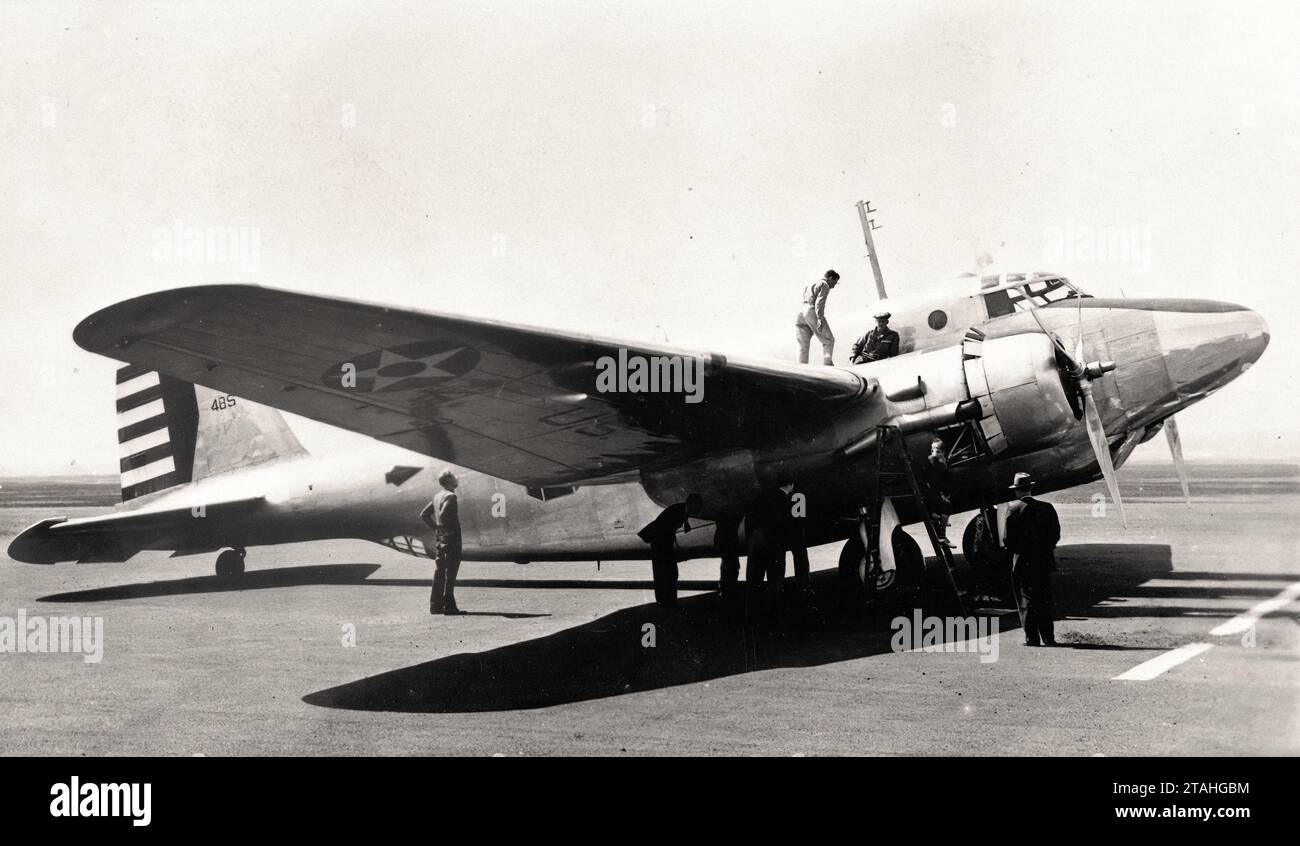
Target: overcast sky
650, 171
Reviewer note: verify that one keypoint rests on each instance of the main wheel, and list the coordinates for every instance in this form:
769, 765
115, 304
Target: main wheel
968, 543
994, 563
906, 576
230, 562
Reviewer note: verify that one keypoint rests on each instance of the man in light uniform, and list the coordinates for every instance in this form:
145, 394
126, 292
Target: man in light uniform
811, 319
443, 516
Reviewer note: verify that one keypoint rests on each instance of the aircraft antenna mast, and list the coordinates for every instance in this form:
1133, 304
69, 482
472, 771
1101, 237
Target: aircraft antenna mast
868, 226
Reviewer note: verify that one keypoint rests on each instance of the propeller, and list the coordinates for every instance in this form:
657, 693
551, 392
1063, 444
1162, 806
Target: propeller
1176, 450
1092, 419
1082, 375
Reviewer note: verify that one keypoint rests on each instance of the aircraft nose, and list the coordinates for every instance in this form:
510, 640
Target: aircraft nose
1207, 347
1255, 330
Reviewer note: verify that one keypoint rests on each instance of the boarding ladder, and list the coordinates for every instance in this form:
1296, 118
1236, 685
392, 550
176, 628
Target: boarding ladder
896, 479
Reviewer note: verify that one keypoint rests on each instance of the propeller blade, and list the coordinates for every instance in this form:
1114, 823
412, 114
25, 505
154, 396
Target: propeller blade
1176, 450
1100, 448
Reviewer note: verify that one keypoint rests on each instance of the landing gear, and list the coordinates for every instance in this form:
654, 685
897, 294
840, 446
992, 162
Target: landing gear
231, 562
974, 559
861, 575
984, 561
989, 564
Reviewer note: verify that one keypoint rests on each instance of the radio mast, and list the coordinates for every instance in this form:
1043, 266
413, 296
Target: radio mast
868, 226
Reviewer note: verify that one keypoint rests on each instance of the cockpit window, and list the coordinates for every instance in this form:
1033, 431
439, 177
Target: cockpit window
1041, 292
999, 303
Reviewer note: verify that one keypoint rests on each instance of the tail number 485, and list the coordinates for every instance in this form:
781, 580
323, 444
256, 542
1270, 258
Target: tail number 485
222, 403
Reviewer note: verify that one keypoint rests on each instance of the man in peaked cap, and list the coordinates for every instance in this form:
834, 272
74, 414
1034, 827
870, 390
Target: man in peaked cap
1033, 531
879, 343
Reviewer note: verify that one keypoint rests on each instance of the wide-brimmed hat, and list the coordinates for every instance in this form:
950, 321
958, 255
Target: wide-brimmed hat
882, 315
1022, 480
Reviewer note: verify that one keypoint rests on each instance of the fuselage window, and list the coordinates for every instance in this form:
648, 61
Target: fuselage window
938, 319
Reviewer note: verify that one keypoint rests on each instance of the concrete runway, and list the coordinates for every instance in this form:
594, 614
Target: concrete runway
550, 660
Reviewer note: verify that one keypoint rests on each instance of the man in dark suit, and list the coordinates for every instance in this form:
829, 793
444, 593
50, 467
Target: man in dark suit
661, 534
443, 516
769, 528
796, 541
726, 542
1033, 531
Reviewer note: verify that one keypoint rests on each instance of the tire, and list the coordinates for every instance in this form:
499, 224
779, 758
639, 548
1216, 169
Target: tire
909, 566
852, 562
976, 561
230, 563
909, 560
996, 565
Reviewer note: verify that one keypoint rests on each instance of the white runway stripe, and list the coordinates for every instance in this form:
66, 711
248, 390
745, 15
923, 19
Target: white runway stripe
1242, 622
147, 472
142, 443
1148, 670
134, 386
142, 412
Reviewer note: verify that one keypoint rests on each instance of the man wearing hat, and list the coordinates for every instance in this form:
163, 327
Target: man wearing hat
879, 343
811, 319
1033, 531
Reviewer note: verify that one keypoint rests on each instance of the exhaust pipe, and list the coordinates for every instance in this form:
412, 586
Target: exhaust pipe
920, 421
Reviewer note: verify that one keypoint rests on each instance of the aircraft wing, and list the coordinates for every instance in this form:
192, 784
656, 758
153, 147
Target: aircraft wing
529, 405
118, 536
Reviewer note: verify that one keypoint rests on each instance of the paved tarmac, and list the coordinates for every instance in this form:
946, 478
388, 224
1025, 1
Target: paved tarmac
327, 648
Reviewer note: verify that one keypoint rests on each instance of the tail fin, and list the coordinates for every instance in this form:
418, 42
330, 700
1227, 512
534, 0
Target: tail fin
156, 425
235, 433
171, 432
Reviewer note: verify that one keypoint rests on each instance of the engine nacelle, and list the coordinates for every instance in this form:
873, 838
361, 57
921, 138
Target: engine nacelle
1010, 387
1023, 393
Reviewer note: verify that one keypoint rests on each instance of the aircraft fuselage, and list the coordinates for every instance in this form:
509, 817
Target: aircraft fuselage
1169, 354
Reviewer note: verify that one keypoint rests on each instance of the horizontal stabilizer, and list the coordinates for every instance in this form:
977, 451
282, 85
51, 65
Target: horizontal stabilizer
118, 536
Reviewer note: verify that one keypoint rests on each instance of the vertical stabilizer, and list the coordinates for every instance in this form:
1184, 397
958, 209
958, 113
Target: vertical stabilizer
156, 426
234, 433
171, 432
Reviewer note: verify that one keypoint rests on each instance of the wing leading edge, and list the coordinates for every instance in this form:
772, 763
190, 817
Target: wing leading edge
529, 405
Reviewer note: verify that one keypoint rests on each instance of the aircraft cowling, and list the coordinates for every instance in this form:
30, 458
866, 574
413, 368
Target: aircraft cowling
1023, 393
1016, 382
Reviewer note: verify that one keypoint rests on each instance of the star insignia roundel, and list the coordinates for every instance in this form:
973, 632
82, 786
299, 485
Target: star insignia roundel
405, 367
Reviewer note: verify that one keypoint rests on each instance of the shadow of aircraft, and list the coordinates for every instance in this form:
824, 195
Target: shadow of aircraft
279, 577
608, 656
333, 574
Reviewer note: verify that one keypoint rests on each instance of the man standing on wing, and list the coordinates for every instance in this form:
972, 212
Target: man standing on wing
811, 319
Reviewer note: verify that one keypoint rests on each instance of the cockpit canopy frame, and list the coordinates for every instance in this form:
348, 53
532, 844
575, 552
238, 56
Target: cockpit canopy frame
1007, 293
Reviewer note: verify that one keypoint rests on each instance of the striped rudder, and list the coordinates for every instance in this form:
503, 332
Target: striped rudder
157, 422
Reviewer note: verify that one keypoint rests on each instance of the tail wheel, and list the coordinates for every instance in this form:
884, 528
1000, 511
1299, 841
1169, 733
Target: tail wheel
231, 562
